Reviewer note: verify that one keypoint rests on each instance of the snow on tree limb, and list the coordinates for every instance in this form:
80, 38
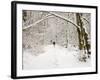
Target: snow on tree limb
57, 15
47, 16
36, 22
85, 19
26, 22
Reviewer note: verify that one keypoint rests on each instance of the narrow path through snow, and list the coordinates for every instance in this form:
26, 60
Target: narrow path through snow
54, 57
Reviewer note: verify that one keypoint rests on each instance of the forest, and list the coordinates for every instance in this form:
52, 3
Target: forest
47, 32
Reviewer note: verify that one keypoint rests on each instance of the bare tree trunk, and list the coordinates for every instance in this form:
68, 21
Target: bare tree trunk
83, 38
80, 30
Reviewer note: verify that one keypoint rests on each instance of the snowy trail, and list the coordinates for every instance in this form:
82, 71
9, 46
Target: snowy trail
54, 57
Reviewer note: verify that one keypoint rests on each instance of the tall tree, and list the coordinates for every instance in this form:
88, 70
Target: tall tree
83, 36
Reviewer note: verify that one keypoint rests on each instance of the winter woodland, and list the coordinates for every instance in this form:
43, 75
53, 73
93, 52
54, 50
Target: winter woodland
56, 39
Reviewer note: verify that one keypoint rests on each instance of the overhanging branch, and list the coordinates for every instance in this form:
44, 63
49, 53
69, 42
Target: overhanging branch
57, 15
47, 16
36, 22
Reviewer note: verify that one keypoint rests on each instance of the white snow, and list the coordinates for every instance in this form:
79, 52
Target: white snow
54, 57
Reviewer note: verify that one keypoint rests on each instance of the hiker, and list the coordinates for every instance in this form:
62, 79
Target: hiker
54, 44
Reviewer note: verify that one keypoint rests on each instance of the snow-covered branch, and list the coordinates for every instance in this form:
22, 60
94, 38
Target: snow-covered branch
57, 15
85, 19
25, 27
47, 16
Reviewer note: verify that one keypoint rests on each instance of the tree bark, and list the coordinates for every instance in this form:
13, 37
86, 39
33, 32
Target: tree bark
82, 35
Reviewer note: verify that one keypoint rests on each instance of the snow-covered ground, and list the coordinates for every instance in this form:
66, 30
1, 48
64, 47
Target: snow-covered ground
53, 57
